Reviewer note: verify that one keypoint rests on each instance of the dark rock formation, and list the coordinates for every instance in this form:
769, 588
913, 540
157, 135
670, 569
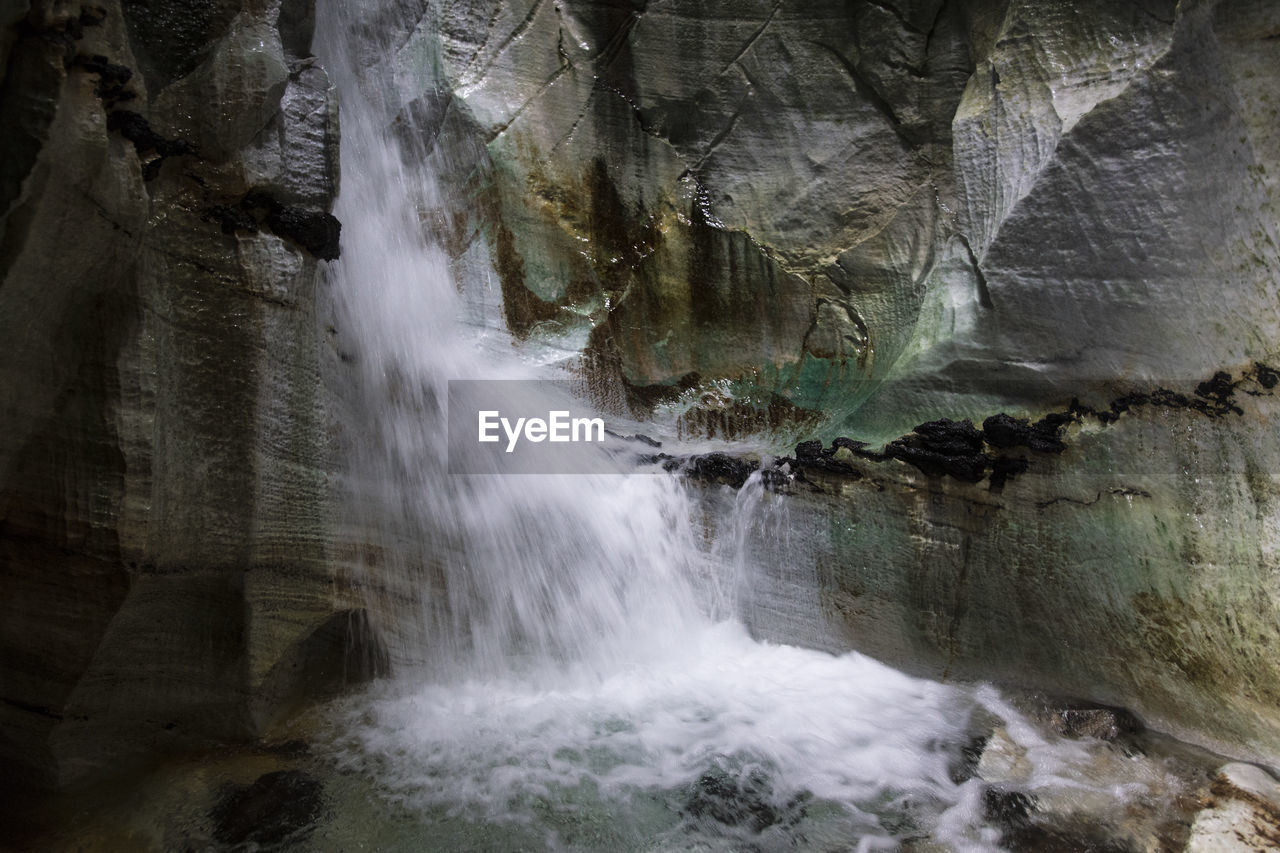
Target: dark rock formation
1009, 809
316, 231
943, 447
745, 799
1004, 432
278, 807
1087, 720
715, 468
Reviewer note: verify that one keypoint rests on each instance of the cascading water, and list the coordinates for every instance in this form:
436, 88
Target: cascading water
572, 671
510, 572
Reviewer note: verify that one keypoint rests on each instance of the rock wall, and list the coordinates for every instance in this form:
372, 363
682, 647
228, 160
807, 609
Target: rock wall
862, 214
166, 569
1087, 570
944, 206
874, 214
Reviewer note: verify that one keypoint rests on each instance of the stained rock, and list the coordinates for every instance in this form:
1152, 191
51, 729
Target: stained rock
809, 450
811, 455
720, 468
112, 78
1003, 468
1266, 376
1005, 431
1219, 392
137, 130
1244, 814
316, 231
943, 447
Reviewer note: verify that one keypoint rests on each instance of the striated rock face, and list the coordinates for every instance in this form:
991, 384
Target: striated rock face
1143, 581
946, 206
165, 558
891, 213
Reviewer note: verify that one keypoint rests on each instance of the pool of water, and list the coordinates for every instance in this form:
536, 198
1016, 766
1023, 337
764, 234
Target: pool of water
728, 744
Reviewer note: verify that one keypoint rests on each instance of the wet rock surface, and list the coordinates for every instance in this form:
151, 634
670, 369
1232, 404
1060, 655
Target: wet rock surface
959, 450
167, 575
966, 211
715, 468
316, 231
745, 800
948, 211
1101, 723
906, 230
1037, 552
1242, 813
279, 806
1036, 807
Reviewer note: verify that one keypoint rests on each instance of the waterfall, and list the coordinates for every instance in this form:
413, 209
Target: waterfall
572, 666
501, 572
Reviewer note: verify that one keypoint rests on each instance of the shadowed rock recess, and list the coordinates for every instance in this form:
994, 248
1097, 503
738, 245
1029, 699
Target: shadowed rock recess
929, 224
167, 574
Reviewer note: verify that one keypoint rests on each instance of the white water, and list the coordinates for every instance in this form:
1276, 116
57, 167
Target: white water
509, 572
609, 762
569, 653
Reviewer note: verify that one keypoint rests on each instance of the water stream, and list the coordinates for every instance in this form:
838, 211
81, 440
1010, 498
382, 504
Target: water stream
573, 666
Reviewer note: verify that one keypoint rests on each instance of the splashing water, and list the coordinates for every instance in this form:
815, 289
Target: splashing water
571, 668
728, 742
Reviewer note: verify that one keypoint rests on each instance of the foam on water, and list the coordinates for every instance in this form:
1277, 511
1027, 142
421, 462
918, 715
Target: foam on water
859, 750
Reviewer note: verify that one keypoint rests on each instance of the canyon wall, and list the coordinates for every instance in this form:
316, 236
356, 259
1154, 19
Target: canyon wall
850, 219
830, 218
167, 573
945, 207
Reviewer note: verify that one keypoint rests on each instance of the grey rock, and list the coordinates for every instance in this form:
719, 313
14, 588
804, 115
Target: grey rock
167, 569
894, 213
294, 158
239, 84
